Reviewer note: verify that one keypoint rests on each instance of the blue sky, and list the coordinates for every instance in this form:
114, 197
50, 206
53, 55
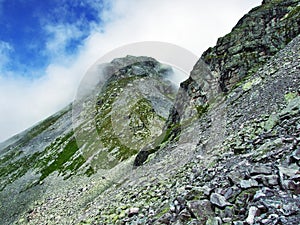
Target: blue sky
46, 46
35, 32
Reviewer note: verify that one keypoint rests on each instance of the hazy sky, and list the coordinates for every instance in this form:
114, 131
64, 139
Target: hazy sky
47, 46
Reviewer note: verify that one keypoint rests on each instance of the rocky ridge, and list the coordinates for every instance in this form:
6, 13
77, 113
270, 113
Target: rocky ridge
258, 36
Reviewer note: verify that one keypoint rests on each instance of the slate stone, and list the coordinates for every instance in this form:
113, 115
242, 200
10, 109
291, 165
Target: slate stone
219, 200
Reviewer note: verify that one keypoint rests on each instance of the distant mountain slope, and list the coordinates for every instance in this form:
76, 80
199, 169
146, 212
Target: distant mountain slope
73, 142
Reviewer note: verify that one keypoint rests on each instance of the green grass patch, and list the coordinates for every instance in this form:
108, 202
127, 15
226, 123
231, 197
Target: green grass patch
295, 12
201, 109
36, 130
12, 170
63, 157
290, 96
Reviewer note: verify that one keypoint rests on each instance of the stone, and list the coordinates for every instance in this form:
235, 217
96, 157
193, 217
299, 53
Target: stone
227, 220
184, 215
294, 186
271, 180
228, 193
253, 212
289, 171
133, 211
172, 208
238, 223
260, 169
271, 122
248, 183
165, 219
290, 208
259, 194
201, 209
214, 221
235, 176
193, 222
206, 190
272, 219
219, 200
272, 203
141, 157
296, 177
231, 193
296, 154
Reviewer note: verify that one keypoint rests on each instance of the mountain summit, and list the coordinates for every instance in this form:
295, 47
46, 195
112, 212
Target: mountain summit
131, 149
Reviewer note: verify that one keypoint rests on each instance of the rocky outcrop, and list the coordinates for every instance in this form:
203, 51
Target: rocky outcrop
258, 36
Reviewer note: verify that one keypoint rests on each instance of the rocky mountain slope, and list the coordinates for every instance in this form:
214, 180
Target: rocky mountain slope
228, 154
254, 40
104, 127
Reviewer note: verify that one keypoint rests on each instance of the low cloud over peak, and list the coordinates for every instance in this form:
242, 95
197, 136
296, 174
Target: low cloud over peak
64, 50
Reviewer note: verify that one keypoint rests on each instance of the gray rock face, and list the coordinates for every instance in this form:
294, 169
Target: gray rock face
254, 40
257, 37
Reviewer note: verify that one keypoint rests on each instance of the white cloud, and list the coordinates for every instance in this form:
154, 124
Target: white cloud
192, 24
60, 35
